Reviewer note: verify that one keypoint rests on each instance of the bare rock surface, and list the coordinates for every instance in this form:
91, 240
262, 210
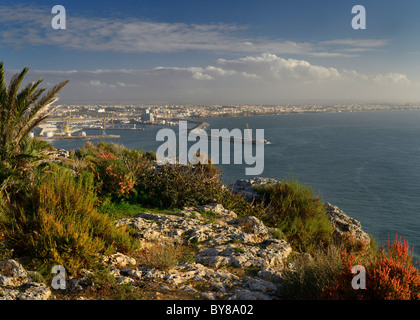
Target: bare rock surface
16, 284
225, 243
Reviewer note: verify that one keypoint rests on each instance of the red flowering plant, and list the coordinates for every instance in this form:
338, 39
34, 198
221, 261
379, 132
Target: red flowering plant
390, 275
114, 175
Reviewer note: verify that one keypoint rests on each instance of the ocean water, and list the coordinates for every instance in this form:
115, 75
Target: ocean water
366, 163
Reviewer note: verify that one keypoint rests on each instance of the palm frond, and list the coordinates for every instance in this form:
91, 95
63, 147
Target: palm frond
21, 111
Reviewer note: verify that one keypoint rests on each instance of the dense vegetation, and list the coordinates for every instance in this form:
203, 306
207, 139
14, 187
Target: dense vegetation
61, 211
298, 213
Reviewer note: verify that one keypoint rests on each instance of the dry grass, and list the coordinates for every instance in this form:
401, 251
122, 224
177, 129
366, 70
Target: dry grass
164, 256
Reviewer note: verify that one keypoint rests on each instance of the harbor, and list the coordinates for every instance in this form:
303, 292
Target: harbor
81, 137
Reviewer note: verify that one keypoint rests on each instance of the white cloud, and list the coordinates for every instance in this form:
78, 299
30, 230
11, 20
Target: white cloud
31, 26
96, 83
357, 43
271, 67
392, 79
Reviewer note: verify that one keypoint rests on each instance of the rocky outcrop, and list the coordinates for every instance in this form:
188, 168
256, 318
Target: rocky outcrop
17, 284
345, 227
189, 227
224, 242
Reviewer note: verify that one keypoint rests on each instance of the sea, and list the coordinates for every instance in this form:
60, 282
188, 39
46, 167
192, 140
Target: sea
367, 163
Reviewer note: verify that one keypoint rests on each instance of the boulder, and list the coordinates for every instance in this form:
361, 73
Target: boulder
119, 260
253, 226
12, 273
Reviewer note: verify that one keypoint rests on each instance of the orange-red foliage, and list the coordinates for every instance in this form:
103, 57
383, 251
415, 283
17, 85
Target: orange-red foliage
390, 275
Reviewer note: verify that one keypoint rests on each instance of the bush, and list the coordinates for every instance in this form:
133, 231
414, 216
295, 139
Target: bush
175, 186
390, 275
300, 215
59, 223
123, 175
114, 168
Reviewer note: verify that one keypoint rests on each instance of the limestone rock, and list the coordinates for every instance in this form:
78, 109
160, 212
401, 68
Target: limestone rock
271, 274
271, 253
253, 226
34, 291
219, 209
227, 242
255, 284
8, 294
12, 273
345, 225
15, 284
187, 229
244, 294
119, 260
77, 284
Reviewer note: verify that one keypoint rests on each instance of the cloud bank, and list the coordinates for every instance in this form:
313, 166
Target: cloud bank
264, 78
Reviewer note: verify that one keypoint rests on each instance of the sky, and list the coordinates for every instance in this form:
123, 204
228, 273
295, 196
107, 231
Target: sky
217, 52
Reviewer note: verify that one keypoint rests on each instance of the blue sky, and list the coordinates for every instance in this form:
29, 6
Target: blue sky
217, 51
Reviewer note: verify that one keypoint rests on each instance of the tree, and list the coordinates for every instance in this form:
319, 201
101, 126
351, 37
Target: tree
20, 112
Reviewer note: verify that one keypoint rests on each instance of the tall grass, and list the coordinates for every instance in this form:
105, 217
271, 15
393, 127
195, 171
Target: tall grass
308, 277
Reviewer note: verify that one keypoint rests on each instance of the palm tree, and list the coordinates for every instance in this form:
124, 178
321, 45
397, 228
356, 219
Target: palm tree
20, 112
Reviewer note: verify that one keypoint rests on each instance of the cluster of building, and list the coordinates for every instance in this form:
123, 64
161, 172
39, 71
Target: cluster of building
159, 113
72, 119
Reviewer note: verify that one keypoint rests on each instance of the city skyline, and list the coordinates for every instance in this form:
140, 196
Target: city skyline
240, 52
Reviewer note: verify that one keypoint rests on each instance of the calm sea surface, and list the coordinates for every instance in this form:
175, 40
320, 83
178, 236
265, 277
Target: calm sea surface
366, 163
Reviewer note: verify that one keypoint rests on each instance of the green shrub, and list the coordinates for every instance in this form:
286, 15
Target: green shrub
300, 215
59, 223
175, 186
240, 206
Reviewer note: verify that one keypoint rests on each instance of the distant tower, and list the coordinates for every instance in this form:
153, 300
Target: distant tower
66, 126
103, 127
